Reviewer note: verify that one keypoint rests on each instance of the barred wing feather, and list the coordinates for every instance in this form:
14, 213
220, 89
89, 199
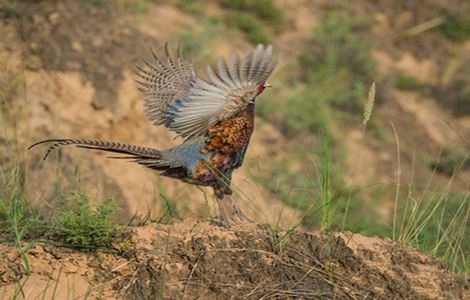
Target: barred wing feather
189, 105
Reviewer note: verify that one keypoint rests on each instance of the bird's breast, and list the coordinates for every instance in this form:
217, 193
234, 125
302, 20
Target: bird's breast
232, 135
226, 144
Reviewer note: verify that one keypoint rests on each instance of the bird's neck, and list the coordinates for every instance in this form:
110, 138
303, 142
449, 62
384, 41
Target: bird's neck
250, 113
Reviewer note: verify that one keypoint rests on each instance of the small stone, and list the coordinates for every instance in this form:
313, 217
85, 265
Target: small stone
77, 46
53, 18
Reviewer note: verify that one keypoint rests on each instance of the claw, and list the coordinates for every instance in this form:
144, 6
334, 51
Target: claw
239, 212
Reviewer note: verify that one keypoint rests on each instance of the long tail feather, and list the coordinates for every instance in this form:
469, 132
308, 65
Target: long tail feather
132, 150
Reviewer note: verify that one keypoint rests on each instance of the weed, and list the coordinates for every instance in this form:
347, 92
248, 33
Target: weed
19, 220
307, 111
194, 42
249, 25
278, 238
9, 8
241, 5
79, 225
10, 83
70, 220
437, 223
368, 106
169, 212
336, 71
246, 16
451, 161
407, 83
190, 6
97, 3
133, 6
266, 10
457, 28
455, 90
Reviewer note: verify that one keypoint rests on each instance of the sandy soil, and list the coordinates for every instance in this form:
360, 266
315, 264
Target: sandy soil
199, 259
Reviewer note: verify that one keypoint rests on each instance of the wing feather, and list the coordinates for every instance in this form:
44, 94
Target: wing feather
176, 96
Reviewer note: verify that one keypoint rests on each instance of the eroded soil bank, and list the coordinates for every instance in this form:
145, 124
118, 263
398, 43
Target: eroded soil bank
200, 259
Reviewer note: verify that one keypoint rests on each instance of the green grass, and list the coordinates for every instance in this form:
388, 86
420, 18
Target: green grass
454, 93
252, 28
407, 83
437, 222
265, 10
451, 161
67, 219
257, 19
169, 211
79, 225
457, 28
190, 6
194, 41
9, 8
137, 7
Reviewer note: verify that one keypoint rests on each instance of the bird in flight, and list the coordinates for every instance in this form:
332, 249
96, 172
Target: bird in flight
214, 116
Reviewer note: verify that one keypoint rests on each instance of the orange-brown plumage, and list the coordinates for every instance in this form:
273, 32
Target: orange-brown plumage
232, 134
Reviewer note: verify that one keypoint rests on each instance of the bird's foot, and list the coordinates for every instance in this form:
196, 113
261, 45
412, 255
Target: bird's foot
238, 212
222, 216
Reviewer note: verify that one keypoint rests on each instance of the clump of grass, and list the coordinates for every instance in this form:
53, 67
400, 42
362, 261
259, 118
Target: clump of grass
9, 8
451, 161
255, 18
407, 83
249, 25
194, 41
10, 83
278, 238
169, 211
133, 6
436, 222
457, 28
307, 111
454, 93
266, 10
190, 6
19, 219
69, 218
79, 225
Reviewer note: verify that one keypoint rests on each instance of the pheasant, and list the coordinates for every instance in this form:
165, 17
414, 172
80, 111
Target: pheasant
214, 116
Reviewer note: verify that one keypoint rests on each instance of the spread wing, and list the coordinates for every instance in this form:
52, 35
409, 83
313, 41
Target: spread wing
187, 104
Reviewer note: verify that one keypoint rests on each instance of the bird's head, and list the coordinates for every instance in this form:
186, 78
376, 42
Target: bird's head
259, 90
262, 87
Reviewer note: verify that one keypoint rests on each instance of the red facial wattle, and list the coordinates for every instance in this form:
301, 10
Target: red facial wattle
261, 89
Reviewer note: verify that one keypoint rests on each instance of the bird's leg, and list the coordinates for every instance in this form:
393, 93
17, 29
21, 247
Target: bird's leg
222, 214
238, 210
219, 195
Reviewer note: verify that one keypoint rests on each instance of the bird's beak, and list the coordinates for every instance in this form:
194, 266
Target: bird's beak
267, 85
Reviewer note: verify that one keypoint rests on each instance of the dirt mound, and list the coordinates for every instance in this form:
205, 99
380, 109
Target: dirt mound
199, 259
